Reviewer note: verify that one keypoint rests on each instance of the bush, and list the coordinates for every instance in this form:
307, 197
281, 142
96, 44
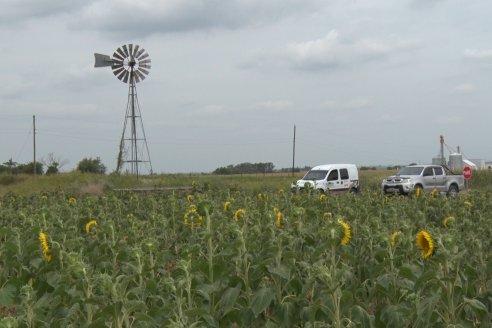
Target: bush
91, 165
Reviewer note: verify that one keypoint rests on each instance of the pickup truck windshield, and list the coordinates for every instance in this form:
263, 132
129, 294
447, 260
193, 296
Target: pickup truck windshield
315, 175
410, 170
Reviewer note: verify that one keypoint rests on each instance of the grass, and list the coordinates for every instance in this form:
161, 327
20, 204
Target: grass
83, 183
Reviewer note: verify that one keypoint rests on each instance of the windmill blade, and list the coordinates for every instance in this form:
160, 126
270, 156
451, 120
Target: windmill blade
118, 70
122, 75
118, 56
121, 53
143, 70
139, 53
140, 75
145, 55
116, 65
135, 50
125, 78
145, 66
125, 50
145, 61
130, 50
137, 79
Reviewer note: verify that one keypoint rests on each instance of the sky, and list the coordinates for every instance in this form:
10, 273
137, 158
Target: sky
372, 82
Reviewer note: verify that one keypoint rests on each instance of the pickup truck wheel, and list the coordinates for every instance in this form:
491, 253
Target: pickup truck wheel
453, 191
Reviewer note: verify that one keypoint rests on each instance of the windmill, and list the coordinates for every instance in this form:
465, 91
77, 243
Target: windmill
130, 64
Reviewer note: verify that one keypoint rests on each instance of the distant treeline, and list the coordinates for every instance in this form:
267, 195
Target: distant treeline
248, 168
369, 168
15, 168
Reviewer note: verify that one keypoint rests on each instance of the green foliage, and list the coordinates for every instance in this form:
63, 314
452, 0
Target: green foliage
91, 165
142, 265
28, 168
11, 167
246, 168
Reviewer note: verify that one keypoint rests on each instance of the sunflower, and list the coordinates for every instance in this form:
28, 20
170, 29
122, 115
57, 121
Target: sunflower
279, 217
89, 225
425, 243
72, 201
347, 234
468, 203
434, 193
261, 196
227, 206
239, 214
43, 239
447, 221
327, 215
192, 217
394, 238
189, 198
322, 197
418, 192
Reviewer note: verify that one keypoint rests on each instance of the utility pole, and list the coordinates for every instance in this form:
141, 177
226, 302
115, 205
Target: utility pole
294, 151
34, 144
443, 161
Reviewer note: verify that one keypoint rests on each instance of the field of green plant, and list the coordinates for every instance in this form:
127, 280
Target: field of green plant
223, 255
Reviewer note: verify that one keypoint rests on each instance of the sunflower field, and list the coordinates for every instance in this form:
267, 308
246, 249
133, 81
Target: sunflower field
232, 258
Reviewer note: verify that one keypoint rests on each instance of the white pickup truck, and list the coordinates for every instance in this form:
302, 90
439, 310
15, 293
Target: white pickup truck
425, 177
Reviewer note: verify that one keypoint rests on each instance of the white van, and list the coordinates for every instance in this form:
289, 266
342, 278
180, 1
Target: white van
333, 177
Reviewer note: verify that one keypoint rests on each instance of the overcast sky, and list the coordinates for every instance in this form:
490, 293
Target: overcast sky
365, 81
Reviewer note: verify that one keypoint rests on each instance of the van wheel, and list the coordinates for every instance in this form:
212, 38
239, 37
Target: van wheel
321, 191
453, 191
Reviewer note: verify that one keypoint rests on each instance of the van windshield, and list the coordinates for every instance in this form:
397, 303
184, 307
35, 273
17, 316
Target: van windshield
410, 170
315, 175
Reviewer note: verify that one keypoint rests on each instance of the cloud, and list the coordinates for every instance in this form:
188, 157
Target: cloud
333, 51
213, 110
274, 106
464, 88
20, 11
478, 54
146, 17
424, 4
355, 103
448, 120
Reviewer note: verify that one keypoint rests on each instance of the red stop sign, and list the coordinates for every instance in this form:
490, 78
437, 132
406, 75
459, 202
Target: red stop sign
467, 172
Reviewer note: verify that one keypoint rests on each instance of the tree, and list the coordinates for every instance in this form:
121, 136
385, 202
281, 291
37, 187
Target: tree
53, 164
91, 165
10, 164
28, 168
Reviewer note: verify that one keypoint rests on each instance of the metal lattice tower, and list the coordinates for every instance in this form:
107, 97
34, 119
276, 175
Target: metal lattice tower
130, 64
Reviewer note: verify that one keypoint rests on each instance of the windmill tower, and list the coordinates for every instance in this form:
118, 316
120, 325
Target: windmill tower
130, 64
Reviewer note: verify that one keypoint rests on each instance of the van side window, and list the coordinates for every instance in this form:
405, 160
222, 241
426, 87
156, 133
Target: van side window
428, 172
438, 171
333, 176
344, 174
